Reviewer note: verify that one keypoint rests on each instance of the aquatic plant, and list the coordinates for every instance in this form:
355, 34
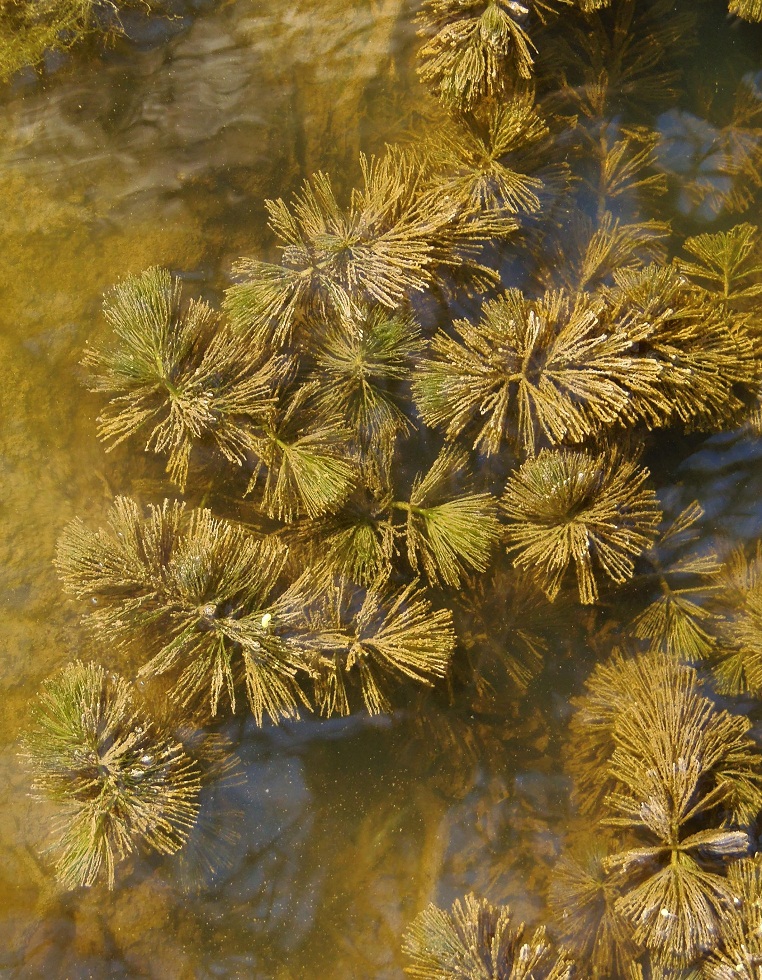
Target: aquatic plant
201, 595
301, 459
117, 781
360, 359
638, 710
582, 900
392, 241
179, 374
564, 506
532, 373
449, 531
28, 30
376, 636
676, 759
679, 621
476, 48
502, 621
498, 157
727, 264
479, 941
737, 657
709, 366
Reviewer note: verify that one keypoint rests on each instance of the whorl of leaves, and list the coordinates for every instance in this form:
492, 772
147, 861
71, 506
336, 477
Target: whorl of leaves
727, 264
475, 48
582, 900
177, 374
532, 372
302, 461
449, 530
594, 510
738, 606
587, 254
373, 636
198, 592
360, 360
679, 621
497, 157
479, 941
677, 758
640, 711
117, 781
388, 244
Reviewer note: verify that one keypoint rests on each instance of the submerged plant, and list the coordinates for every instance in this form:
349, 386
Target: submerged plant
532, 373
497, 158
448, 533
391, 242
117, 781
201, 594
475, 48
678, 621
178, 375
375, 636
479, 941
302, 460
582, 899
591, 509
646, 712
738, 605
362, 356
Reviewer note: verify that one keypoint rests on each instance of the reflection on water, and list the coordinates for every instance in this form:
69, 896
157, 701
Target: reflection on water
337, 833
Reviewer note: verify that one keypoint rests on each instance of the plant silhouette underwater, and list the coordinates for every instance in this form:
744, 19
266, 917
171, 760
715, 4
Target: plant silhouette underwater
399, 464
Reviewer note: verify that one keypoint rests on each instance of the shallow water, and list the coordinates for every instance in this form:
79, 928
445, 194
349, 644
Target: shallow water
161, 151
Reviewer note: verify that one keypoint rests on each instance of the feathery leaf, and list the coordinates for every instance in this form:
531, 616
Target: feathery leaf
117, 781
565, 506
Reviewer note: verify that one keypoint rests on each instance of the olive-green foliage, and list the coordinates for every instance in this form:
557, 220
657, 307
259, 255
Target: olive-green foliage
679, 621
533, 373
738, 605
476, 48
479, 941
117, 781
595, 510
679, 779
361, 357
177, 374
395, 237
628, 694
28, 29
582, 899
727, 264
302, 462
201, 595
449, 530
709, 365
374, 635
498, 157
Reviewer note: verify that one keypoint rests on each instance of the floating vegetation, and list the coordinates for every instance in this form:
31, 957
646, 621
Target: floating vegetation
116, 780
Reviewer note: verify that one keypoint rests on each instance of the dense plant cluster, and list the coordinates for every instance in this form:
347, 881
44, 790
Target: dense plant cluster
442, 406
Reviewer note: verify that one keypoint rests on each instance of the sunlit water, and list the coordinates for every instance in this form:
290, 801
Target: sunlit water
161, 151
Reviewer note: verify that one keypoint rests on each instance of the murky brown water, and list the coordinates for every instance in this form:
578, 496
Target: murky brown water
161, 152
